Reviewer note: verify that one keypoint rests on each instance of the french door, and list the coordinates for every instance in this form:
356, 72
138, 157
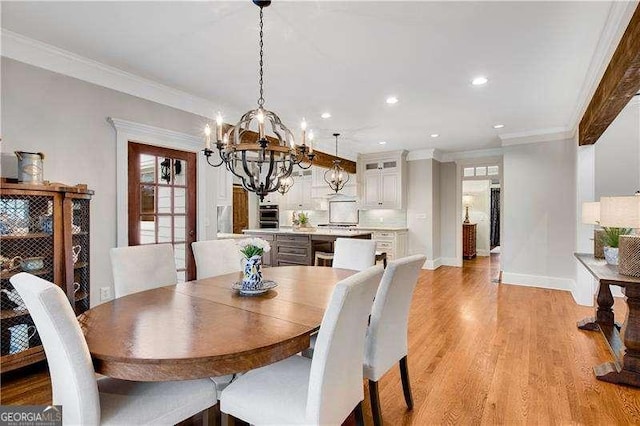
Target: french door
162, 201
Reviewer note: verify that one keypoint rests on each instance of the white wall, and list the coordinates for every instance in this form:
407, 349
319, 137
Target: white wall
479, 212
420, 207
540, 214
617, 154
449, 218
66, 119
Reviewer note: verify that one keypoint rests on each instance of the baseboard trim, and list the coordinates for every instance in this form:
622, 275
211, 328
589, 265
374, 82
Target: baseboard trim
432, 265
451, 261
539, 281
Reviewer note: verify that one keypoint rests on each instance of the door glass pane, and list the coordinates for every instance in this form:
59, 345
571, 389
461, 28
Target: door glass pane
179, 172
147, 231
179, 253
147, 199
179, 200
164, 229
164, 170
147, 168
179, 228
164, 199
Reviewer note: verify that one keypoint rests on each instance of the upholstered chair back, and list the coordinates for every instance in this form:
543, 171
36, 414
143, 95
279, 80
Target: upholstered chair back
216, 257
354, 253
72, 375
140, 268
335, 381
386, 340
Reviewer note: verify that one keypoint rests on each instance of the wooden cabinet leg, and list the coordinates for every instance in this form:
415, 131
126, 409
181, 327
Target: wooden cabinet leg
604, 311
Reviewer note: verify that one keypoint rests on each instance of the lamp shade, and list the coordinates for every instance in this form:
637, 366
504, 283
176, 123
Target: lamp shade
467, 200
591, 213
620, 212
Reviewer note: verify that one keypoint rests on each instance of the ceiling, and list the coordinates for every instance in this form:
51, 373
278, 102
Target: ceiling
347, 58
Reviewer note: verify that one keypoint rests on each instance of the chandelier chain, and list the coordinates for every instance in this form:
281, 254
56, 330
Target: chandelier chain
261, 98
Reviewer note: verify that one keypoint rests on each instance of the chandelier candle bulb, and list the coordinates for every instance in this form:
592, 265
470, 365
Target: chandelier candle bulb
310, 141
219, 128
207, 137
261, 124
303, 126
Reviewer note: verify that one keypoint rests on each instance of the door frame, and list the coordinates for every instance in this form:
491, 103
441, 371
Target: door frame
129, 131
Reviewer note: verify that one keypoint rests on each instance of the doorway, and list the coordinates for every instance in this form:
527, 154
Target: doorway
162, 201
240, 209
481, 217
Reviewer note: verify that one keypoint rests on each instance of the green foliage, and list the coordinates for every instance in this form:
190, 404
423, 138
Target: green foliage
303, 218
611, 236
250, 251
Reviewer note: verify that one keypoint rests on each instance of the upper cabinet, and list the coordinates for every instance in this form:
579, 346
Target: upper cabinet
299, 195
381, 178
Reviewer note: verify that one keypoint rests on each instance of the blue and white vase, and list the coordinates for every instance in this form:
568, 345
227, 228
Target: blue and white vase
252, 273
611, 255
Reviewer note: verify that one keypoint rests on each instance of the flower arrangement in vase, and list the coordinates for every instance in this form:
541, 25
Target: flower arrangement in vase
300, 220
252, 250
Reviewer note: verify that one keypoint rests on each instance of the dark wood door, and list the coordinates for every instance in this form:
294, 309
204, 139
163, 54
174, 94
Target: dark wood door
162, 201
240, 209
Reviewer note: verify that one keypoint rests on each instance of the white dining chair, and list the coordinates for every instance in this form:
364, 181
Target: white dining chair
105, 401
216, 257
386, 341
354, 253
139, 268
324, 390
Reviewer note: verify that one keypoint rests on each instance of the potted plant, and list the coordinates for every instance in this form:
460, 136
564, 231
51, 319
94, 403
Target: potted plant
610, 241
252, 250
300, 220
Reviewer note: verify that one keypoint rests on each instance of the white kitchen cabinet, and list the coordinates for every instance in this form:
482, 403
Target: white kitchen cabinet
224, 191
382, 178
299, 195
394, 243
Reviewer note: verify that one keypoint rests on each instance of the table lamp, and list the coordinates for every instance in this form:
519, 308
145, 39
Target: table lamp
624, 212
591, 216
467, 201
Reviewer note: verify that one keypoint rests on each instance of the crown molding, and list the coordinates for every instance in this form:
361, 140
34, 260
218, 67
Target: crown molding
425, 154
448, 157
618, 19
33, 52
537, 136
142, 130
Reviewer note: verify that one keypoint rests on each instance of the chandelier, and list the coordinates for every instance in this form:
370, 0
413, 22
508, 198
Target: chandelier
336, 176
265, 165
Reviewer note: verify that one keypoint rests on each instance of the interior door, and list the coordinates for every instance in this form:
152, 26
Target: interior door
240, 209
162, 202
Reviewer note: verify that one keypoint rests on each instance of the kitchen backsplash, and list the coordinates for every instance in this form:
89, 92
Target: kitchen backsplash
390, 218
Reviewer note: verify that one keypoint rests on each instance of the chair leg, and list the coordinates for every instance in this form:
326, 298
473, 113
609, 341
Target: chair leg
359, 414
375, 403
406, 385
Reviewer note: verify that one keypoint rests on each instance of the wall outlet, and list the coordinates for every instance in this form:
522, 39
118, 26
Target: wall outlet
105, 293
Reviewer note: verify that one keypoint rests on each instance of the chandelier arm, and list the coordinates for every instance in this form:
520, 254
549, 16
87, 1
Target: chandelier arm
245, 166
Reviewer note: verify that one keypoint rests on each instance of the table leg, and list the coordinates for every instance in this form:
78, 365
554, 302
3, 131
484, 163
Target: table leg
628, 370
604, 313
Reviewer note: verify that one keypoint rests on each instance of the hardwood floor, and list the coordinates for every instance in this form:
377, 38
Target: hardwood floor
481, 353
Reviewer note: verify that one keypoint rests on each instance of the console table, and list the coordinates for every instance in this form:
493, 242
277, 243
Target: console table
623, 341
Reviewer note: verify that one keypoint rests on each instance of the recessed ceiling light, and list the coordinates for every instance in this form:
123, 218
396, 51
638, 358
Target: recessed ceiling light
479, 81
382, 142
326, 115
392, 100
498, 126
434, 135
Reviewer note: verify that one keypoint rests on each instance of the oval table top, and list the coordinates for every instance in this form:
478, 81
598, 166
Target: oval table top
203, 328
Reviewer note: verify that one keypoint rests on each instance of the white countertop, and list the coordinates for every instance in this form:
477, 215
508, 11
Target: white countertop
354, 232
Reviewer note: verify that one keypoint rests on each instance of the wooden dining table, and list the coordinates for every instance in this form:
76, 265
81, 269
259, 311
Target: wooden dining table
204, 328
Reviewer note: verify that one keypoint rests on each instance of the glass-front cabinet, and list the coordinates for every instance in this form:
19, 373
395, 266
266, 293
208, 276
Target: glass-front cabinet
44, 230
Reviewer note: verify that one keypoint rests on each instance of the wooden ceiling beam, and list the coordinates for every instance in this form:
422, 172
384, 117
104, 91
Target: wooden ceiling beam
322, 159
621, 81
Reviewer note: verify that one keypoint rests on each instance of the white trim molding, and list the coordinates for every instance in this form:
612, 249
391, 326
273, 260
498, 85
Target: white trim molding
432, 265
130, 131
540, 281
33, 52
424, 154
464, 155
536, 136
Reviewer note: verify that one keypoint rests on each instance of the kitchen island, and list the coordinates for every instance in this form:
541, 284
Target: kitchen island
298, 247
